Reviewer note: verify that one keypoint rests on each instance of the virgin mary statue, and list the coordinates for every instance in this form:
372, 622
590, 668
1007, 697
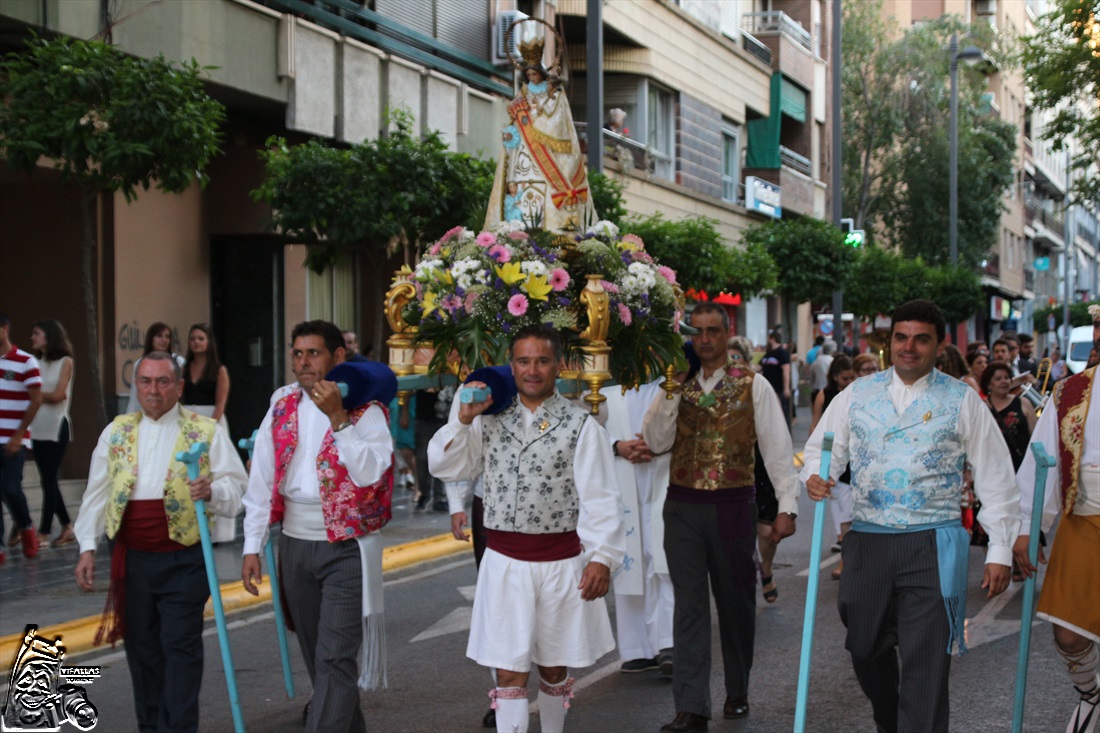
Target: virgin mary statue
541, 176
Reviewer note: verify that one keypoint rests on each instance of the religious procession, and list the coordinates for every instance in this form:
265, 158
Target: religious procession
629, 471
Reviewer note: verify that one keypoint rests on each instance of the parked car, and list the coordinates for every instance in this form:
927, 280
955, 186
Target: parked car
1080, 344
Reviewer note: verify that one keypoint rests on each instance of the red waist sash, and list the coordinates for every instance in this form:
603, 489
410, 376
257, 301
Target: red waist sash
534, 547
144, 528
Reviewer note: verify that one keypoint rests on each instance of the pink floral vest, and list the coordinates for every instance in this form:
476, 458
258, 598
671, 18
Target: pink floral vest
349, 510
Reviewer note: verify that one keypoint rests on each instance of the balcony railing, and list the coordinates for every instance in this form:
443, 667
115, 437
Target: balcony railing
794, 161
629, 153
776, 22
1029, 279
1052, 221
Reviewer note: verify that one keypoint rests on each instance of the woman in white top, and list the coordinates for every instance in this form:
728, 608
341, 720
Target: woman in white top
158, 337
51, 428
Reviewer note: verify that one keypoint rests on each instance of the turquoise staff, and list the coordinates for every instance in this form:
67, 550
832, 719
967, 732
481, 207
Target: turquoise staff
1043, 463
249, 444
811, 593
190, 458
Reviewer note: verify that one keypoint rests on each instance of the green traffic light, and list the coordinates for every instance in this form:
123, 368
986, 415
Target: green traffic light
854, 238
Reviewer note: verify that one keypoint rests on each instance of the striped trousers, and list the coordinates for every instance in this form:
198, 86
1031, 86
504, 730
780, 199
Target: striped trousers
891, 604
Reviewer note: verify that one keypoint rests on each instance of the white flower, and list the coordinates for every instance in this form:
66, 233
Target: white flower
643, 272
424, 268
604, 228
465, 235
533, 267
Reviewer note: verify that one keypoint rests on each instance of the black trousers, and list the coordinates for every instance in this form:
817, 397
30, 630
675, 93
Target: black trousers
165, 596
890, 602
697, 554
47, 456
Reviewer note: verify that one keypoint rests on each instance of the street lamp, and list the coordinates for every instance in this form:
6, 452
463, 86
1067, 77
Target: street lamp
972, 55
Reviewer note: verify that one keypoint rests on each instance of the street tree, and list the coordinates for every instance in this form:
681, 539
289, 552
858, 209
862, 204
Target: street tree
896, 107
1062, 66
811, 255
108, 122
399, 191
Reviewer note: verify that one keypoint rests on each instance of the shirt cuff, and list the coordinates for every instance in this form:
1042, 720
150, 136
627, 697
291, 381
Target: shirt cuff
999, 554
252, 546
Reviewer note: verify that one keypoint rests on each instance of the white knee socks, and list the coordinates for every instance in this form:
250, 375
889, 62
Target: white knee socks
1082, 668
511, 706
553, 704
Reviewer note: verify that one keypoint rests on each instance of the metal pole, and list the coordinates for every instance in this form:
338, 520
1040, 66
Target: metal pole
834, 183
1070, 259
953, 165
594, 79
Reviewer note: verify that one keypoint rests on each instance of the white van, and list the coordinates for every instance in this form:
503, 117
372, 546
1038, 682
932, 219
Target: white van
1080, 344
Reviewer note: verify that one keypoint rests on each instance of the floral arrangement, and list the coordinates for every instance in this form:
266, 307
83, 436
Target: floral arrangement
472, 291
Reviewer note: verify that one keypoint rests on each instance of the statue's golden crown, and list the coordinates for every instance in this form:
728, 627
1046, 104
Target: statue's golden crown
531, 51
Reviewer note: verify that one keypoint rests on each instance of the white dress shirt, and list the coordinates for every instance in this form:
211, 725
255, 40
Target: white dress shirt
455, 454
365, 449
156, 443
772, 434
1088, 487
985, 447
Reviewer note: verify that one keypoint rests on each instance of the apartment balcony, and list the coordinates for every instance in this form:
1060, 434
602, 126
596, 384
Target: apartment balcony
797, 188
991, 266
619, 149
1029, 279
789, 44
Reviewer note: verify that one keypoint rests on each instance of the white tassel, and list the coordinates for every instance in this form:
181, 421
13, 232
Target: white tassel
372, 663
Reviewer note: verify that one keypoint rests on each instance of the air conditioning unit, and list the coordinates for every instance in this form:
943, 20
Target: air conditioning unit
503, 45
985, 7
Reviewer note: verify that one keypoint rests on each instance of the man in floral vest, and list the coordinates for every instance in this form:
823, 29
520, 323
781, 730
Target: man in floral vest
326, 473
908, 433
1069, 429
141, 494
554, 530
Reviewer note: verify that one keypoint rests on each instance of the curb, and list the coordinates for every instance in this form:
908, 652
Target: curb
79, 634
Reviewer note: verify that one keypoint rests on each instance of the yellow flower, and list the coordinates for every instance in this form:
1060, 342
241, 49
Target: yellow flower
510, 273
443, 276
429, 304
537, 286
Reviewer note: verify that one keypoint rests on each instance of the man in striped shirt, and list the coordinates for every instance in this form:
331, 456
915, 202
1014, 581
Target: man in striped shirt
20, 397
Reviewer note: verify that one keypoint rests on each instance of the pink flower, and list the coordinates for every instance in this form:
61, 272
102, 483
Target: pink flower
451, 234
559, 280
500, 253
676, 316
518, 236
667, 273
470, 299
451, 303
486, 239
609, 286
624, 314
434, 249
633, 239
517, 305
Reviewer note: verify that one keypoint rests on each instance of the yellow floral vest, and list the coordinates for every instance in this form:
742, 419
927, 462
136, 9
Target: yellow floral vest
122, 471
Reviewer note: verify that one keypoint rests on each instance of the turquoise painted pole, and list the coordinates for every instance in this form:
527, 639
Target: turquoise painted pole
811, 594
1043, 463
190, 458
249, 444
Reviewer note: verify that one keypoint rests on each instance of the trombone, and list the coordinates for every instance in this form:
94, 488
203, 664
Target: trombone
1038, 399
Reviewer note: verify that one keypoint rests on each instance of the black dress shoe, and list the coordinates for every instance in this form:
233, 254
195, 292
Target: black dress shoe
490, 719
685, 723
735, 708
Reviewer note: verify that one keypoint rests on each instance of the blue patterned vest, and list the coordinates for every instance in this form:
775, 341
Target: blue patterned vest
528, 476
907, 469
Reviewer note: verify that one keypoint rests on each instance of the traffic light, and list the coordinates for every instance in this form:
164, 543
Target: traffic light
852, 237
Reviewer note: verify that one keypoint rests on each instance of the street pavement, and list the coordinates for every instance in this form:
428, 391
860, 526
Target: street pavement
434, 687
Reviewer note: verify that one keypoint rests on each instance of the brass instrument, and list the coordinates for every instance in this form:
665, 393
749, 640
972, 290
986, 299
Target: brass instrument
1038, 399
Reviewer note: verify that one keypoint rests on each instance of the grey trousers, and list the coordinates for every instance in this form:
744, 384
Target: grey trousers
891, 604
323, 583
695, 554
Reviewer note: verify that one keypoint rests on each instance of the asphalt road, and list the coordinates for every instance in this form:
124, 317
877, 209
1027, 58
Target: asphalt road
433, 687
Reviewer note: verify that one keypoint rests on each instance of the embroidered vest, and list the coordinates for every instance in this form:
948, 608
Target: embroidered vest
715, 435
349, 510
1072, 399
122, 473
529, 484
907, 469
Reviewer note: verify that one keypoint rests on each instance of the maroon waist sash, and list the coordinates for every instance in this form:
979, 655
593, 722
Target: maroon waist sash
534, 547
144, 528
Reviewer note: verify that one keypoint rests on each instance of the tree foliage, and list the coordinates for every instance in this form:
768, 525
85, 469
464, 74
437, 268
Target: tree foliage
1078, 314
397, 190
811, 255
896, 120
607, 197
1062, 67
108, 122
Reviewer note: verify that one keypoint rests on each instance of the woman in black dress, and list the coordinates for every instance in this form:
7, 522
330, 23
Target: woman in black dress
205, 378
1015, 417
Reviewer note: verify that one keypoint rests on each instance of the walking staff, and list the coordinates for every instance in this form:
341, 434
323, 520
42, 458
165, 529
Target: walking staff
811, 594
190, 458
